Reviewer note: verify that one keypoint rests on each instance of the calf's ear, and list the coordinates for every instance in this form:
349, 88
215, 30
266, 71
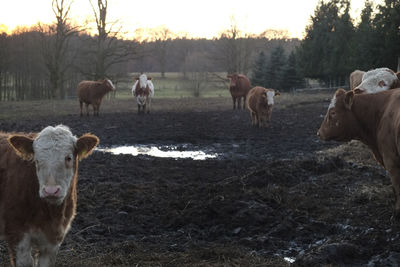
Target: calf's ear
339, 92
149, 78
277, 93
85, 145
23, 146
348, 99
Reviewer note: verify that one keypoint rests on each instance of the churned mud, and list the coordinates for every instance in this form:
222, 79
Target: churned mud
270, 197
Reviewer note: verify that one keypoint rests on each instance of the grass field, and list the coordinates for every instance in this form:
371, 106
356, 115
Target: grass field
123, 102
174, 85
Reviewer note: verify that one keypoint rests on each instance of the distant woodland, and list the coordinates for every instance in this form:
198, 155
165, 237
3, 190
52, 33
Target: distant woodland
48, 61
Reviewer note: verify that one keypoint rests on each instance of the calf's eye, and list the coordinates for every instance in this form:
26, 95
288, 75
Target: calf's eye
68, 159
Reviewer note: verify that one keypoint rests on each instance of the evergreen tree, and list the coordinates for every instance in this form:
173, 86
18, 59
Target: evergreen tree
325, 51
259, 69
290, 78
275, 67
365, 42
387, 21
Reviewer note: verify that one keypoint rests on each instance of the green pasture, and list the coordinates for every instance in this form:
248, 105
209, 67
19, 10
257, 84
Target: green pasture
175, 85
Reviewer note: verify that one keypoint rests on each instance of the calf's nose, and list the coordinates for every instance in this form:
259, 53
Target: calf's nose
51, 191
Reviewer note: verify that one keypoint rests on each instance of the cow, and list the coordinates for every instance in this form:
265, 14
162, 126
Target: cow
143, 90
378, 80
92, 92
38, 177
373, 119
260, 102
239, 87
356, 78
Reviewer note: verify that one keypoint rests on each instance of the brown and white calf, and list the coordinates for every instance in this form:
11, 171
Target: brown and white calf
38, 177
143, 90
373, 119
260, 102
92, 93
377, 80
239, 87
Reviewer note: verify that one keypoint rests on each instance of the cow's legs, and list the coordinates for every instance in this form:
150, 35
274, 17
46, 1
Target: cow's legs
20, 254
81, 104
87, 109
394, 172
148, 105
258, 118
234, 102
97, 109
253, 118
244, 102
47, 254
268, 118
138, 109
238, 102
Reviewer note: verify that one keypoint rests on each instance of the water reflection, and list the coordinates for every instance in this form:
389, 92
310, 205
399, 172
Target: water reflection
161, 152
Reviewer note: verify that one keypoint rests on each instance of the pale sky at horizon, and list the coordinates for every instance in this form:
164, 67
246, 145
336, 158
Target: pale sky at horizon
206, 20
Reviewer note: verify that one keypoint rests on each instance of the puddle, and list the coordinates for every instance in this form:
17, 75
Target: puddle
160, 151
289, 259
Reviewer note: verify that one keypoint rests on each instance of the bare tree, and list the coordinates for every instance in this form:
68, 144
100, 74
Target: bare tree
109, 49
161, 38
55, 46
233, 49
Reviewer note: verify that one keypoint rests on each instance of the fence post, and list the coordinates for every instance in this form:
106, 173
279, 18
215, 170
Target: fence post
398, 64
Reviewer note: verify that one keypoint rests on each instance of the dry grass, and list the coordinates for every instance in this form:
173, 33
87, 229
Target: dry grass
14, 110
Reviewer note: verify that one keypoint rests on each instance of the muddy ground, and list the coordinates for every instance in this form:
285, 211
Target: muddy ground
272, 196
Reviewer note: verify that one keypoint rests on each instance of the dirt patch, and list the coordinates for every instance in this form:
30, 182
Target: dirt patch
273, 194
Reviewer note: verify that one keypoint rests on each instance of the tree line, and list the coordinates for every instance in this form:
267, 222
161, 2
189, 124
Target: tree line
336, 44
48, 61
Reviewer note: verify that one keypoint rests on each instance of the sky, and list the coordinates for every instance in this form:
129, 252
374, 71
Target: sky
200, 19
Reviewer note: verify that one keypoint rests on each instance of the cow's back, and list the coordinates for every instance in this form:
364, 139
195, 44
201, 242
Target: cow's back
254, 97
242, 86
87, 91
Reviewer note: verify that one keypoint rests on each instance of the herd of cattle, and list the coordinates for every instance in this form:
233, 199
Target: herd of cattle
259, 100
38, 172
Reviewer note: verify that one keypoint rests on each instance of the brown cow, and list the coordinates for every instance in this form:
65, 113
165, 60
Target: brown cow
356, 78
143, 90
373, 119
92, 92
239, 87
38, 176
260, 102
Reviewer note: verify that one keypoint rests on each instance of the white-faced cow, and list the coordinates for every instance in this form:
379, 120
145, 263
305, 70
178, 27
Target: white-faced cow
239, 86
143, 90
92, 92
373, 119
356, 78
260, 102
377, 80
38, 177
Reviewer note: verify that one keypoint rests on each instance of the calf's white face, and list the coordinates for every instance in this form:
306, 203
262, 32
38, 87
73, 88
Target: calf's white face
377, 80
55, 161
143, 81
55, 152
